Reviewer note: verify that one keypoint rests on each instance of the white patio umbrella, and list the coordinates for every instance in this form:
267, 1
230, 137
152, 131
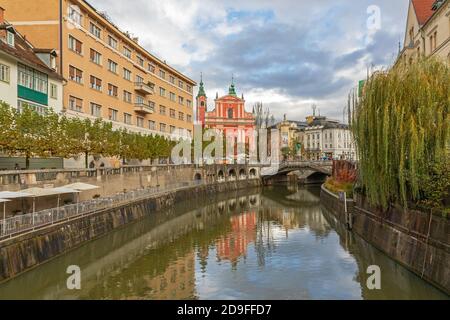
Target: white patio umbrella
80, 186
64, 190
14, 195
39, 192
4, 201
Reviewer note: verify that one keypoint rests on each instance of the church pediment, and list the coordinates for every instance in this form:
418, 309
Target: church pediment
229, 98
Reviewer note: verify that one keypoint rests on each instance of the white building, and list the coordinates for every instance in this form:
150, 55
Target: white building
325, 138
27, 74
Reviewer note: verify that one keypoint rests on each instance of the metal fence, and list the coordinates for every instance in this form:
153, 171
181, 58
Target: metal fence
20, 224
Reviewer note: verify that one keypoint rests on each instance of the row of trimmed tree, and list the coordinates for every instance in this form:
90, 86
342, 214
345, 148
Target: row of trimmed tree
31, 134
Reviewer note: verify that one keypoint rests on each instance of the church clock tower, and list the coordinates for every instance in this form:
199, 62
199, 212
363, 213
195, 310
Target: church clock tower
201, 103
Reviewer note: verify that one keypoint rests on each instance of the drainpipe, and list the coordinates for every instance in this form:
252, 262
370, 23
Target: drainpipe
61, 38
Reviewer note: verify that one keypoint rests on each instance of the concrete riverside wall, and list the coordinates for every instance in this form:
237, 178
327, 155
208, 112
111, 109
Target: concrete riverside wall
417, 240
28, 251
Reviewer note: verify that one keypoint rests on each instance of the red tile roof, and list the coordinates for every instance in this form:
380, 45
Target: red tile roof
423, 9
23, 51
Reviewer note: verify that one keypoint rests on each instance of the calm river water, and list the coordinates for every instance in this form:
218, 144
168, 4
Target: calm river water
278, 243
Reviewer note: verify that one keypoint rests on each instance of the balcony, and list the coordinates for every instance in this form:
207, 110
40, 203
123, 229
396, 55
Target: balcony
144, 88
143, 108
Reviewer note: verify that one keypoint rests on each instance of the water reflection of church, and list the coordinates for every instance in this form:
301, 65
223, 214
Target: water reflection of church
234, 244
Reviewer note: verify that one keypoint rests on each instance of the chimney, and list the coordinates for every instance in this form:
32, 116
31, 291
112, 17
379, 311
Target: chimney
2, 21
2, 15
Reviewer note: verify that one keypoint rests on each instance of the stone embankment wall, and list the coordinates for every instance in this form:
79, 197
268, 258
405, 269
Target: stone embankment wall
417, 240
28, 251
112, 180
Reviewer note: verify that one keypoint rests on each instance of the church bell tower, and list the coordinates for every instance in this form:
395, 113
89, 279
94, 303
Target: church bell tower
201, 103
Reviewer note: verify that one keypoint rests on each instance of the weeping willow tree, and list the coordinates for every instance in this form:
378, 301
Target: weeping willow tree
401, 124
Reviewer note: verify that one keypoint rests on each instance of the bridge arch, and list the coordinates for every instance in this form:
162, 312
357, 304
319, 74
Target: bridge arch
252, 173
232, 174
198, 177
242, 174
220, 175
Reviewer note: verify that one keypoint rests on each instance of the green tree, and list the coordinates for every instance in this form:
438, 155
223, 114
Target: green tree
401, 125
6, 127
28, 134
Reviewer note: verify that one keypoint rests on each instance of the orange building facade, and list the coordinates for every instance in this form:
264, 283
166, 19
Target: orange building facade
109, 75
228, 116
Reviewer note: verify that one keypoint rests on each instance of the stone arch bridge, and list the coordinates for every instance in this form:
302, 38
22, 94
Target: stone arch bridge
305, 171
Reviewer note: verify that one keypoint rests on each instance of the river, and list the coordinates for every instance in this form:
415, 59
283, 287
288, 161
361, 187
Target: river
278, 243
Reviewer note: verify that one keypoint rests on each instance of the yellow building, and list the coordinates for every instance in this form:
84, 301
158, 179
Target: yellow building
109, 75
427, 31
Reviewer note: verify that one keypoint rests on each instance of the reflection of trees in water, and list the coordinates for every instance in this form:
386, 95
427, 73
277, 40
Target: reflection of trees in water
156, 273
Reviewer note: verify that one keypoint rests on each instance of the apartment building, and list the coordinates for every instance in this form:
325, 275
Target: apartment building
27, 74
427, 31
109, 75
325, 138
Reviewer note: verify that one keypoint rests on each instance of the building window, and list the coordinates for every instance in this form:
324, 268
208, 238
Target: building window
139, 79
75, 15
95, 31
75, 45
162, 110
139, 99
96, 110
180, 84
96, 83
126, 74
140, 61
189, 118
127, 96
10, 38
112, 114
162, 92
53, 91
32, 79
75, 104
75, 74
151, 105
173, 97
230, 113
35, 107
151, 68
112, 66
140, 122
162, 127
112, 90
151, 124
435, 40
4, 73
112, 42
172, 113
181, 116
172, 79
127, 118
127, 52
96, 57
172, 129
162, 74
189, 88
181, 100
188, 103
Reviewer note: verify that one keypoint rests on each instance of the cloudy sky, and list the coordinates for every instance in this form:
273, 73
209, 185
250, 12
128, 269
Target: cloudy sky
289, 54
